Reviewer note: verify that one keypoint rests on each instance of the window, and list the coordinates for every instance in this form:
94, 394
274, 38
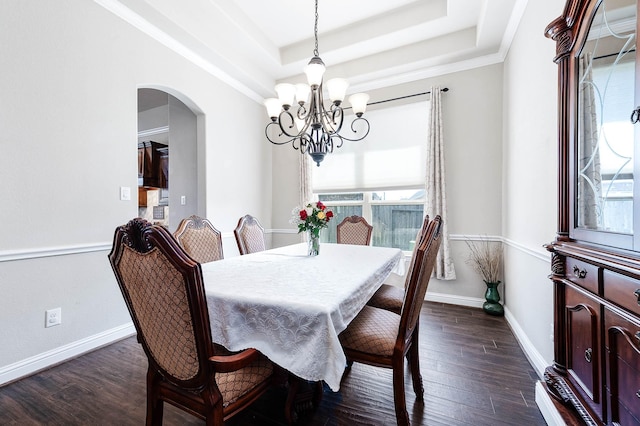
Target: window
381, 178
396, 216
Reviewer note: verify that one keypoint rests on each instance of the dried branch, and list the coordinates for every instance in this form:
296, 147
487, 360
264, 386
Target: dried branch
486, 259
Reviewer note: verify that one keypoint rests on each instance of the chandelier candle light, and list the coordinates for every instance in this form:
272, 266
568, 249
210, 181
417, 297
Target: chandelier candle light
314, 129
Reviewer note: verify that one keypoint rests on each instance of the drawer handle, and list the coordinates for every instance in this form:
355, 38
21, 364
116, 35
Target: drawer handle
587, 354
638, 394
638, 336
637, 294
579, 273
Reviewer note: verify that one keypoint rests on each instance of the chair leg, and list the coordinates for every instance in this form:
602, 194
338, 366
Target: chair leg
213, 413
413, 357
402, 417
214, 418
155, 406
318, 393
289, 410
154, 412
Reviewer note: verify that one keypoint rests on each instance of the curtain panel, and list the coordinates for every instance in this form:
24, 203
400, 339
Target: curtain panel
436, 198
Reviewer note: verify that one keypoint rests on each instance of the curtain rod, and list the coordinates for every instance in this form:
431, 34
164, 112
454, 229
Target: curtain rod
446, 89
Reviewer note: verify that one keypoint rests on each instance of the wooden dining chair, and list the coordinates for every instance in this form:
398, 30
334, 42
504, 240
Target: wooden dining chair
249, 235
389, 296
200, 239
164, 292
354, 230
382, 338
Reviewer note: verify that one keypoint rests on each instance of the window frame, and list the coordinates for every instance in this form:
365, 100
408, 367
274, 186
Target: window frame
367, 202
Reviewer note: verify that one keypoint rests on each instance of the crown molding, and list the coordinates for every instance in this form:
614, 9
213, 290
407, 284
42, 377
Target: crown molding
142, 24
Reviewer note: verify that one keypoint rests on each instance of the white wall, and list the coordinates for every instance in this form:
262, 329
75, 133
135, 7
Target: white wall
530, 174
69, 74
183, 163
472, 113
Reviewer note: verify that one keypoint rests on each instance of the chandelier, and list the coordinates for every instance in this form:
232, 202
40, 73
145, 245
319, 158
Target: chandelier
313, 129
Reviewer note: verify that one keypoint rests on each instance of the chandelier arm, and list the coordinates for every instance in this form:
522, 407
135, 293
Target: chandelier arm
302, 113
286, 116
331, 144
266, 133
304, 142
317, 140
355, 131
333, 119
337, 112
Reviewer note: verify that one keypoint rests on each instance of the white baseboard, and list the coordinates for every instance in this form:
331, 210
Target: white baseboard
535, 358
451, 299
548, 410
56, 356
543, 400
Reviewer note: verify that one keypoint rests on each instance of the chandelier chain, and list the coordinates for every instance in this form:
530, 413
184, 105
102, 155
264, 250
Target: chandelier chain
315, 31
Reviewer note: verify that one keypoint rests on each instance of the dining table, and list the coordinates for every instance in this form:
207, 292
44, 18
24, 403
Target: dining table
291, 306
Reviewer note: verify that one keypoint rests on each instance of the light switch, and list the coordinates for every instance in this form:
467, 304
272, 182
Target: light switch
183, 200
125, 193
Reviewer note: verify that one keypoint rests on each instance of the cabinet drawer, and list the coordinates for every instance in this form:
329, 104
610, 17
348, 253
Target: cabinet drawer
584, 347
623, 369
583, 274
623, 291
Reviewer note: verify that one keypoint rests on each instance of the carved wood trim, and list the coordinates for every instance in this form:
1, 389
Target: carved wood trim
562, 392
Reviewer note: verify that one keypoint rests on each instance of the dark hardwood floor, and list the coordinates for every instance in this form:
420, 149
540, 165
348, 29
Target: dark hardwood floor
474, 373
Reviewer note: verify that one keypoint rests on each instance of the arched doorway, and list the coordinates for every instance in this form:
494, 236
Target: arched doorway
167, 158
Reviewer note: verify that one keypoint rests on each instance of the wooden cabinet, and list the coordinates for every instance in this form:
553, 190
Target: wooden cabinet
153, 164
622, 335
595, 376
583, 341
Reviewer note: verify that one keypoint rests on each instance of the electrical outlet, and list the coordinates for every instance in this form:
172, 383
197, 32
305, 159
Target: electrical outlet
53, 317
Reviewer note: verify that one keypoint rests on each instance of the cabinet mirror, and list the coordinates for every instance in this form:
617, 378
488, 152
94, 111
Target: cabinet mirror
605, 134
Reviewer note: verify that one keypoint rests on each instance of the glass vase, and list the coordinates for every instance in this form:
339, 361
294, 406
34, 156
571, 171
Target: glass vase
313, 243
492, 297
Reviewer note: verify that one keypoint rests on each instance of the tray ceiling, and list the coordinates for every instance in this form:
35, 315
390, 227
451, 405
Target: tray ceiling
252, 44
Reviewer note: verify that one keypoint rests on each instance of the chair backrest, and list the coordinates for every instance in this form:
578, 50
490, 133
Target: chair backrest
200, 239
418, 277
422, 234
249, 235
164, 292
354, 230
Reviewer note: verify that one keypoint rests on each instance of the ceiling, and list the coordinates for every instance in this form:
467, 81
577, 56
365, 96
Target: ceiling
252, 44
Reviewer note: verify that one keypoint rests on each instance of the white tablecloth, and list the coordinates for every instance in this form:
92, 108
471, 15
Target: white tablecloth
292, 307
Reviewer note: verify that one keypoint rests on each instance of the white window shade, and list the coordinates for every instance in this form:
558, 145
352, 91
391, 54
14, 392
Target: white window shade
393, 155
